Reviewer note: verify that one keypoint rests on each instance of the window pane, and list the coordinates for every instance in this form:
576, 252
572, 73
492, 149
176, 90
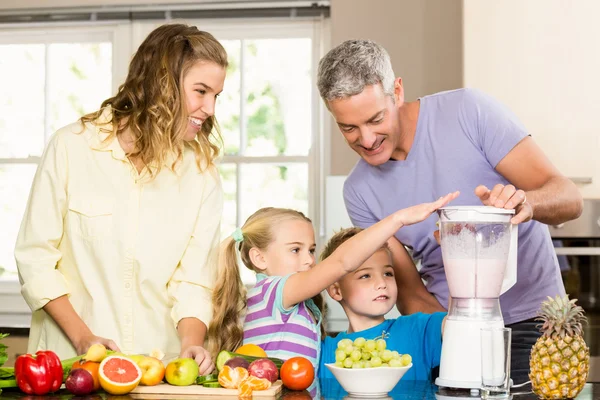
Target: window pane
80, 76
278, 86
228, 104
228, 179
15, 181
22, 100
268, 185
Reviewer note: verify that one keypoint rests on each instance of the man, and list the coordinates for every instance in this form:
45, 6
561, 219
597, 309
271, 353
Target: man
412, 152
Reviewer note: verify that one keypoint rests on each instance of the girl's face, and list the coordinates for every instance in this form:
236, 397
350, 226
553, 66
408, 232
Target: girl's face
202, 84
292, 250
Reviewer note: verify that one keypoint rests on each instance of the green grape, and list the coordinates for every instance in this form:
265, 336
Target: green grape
343, 343
385, 365
406, 359
370, 345
359, 342
368, 364
376, 362
394, 362
374, 353
358, 364
395, 355
366, 355
340, 355
349, 349
381, 345
339, 364
348, 363
387, 355
356, 355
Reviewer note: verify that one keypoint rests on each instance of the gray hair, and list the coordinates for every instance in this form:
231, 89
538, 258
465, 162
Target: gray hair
348, 68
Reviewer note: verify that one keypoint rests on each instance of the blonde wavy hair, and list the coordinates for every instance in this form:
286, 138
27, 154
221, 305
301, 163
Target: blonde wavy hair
151, 103
225, 331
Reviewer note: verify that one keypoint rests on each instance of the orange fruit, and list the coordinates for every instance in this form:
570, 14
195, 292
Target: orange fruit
251, 350
92, 368
231, 378
252, 383
119, 375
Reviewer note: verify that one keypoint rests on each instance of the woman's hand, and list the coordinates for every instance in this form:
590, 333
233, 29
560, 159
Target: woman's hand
201, 356
508, 197
84, 343
420, 212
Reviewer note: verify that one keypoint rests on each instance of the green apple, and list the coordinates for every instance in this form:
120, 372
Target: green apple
182, 372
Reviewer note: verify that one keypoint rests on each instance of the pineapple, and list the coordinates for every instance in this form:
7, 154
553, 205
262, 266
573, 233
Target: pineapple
560, 359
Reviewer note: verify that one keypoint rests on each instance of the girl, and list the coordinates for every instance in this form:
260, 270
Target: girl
279, 245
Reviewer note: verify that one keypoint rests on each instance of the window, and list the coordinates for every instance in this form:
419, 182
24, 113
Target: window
268, 113
269, 118
49, 77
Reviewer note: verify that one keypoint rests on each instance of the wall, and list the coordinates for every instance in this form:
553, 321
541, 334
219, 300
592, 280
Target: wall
424, 39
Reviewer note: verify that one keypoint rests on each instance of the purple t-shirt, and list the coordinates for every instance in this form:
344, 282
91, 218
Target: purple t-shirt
461, 136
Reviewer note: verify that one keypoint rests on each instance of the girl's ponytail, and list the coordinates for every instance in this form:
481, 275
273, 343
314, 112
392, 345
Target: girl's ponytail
225, 331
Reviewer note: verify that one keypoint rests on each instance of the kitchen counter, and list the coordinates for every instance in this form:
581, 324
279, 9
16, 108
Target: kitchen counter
329, 390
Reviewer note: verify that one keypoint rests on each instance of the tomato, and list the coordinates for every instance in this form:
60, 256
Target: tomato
297, 373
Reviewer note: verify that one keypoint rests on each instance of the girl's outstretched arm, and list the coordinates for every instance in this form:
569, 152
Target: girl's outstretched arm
355, 251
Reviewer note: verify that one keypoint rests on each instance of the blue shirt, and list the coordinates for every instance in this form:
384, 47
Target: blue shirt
460, 138
419, 335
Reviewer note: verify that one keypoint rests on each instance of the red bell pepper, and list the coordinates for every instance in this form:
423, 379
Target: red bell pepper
39, 374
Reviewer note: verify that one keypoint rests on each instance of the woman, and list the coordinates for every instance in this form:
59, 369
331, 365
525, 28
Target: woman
119, 241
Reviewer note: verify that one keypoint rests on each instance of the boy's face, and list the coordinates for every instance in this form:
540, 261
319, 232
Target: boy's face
368, 293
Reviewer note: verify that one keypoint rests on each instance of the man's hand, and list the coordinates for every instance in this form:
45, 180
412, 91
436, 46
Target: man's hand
201, 356
507, 197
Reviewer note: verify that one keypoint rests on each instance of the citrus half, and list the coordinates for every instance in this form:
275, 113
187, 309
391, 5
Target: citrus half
250, 349
119, 375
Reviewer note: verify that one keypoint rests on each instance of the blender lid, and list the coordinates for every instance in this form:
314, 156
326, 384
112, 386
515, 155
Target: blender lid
479, 209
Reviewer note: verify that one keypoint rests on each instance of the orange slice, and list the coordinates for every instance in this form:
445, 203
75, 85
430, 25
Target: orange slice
251, 350
231, 378
252, 383
119, 375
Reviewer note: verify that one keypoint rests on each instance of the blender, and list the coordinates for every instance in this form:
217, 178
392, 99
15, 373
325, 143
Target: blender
479, 247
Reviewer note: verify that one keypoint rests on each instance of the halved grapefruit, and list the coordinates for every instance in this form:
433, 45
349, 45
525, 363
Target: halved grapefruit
119, 375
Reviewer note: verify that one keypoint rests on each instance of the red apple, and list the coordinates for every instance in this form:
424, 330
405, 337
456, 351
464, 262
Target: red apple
153, 371
264, 368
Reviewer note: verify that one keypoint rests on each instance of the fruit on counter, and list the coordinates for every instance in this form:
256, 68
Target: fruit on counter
92, 367
230, 378
297, 373
252, 383
182, 372
225, 355
119, 375
238, 362
96, 353
251, 349
135, 357
39, 374
560, 359
264, 368
362, 353
80, 382
153, 371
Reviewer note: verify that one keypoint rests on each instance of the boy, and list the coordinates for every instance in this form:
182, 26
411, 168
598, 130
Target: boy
366, 295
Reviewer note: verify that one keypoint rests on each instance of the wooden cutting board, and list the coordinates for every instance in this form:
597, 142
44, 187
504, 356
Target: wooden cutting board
164, 389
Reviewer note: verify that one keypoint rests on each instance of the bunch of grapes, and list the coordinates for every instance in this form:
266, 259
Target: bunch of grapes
370, 353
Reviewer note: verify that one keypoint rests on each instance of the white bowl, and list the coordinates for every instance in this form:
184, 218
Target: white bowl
368, 382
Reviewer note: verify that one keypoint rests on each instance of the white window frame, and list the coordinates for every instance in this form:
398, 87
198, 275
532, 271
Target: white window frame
234, 29
14, 312
126, 36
